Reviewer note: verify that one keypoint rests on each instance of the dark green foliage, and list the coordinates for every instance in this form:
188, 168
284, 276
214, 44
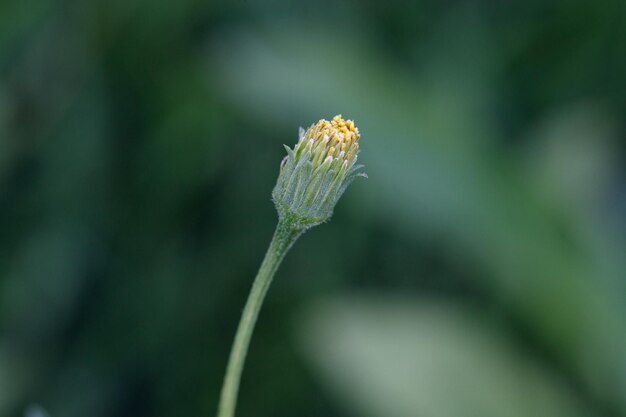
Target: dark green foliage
140, 142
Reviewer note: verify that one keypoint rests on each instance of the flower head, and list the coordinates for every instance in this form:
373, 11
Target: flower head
317, 171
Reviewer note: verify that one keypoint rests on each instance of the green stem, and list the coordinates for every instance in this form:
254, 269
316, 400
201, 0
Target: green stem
284, 236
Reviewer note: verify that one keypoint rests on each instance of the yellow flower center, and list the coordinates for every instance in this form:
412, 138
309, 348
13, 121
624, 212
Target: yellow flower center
330, 140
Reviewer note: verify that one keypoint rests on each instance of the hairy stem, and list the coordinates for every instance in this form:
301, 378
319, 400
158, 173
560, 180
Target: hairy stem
284, 236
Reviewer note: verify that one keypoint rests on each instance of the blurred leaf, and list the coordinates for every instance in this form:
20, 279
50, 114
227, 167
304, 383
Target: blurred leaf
573, 154
17, 372
35, 411
386, 356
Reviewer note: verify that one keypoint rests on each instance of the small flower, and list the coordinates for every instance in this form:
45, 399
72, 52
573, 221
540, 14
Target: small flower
317, 171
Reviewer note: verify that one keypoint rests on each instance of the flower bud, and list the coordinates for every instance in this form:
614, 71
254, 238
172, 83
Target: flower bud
317, 171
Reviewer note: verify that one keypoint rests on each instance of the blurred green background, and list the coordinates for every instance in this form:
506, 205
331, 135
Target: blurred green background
479, 272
